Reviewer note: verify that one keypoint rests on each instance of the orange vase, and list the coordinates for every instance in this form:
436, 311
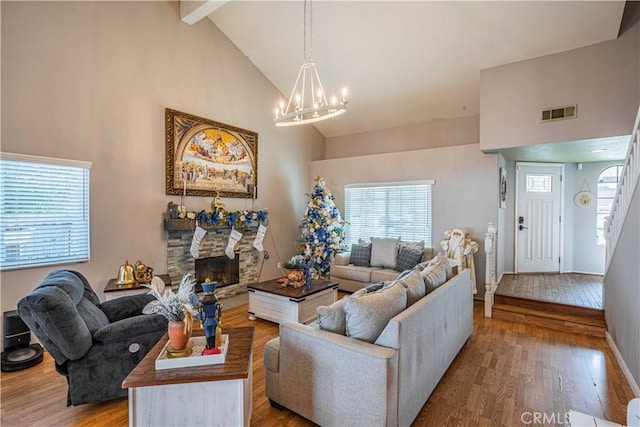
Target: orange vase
177, 335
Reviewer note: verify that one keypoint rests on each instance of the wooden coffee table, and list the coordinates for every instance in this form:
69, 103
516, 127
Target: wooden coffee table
270, 301
194, 396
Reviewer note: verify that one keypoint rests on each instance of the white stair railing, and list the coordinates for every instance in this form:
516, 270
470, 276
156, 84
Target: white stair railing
626, 187
490, 280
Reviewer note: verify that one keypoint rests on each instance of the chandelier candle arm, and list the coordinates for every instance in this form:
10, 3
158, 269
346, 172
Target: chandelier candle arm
308, 101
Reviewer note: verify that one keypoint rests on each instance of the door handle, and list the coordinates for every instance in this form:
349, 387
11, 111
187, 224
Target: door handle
522, 227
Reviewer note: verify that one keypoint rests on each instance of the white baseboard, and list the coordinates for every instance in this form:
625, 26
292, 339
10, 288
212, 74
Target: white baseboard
591, 273
623, 365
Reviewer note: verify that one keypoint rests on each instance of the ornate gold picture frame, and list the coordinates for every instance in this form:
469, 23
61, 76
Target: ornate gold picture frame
205, 157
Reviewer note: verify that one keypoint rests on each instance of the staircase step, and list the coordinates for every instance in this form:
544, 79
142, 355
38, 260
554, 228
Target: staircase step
550, 319
552, 315
548, 306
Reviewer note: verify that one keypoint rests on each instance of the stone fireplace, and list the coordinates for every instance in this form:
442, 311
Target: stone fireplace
180, 261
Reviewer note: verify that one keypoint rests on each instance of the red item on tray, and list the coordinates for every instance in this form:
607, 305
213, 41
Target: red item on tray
207, 351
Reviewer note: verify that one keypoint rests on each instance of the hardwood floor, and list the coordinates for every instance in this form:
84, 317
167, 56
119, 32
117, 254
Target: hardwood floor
503, 375
583, 290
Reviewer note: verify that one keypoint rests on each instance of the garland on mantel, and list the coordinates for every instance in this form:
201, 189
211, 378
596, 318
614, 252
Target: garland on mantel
233, 218
220, 216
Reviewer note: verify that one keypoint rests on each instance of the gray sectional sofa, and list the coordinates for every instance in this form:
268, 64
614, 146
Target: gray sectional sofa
351, 278
337, 380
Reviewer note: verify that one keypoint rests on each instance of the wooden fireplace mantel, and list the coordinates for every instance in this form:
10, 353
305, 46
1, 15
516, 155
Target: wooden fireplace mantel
184, 224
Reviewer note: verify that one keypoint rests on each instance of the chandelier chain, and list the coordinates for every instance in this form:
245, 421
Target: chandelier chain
308, 17
311, 30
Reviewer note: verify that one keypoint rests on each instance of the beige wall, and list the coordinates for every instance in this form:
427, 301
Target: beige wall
602, 79
436, 133
90, 81
464, 195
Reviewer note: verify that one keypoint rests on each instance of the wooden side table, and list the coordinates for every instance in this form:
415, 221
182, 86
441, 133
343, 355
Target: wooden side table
196, 396
113, 290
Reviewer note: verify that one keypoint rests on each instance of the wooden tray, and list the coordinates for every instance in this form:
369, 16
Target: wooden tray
196, 359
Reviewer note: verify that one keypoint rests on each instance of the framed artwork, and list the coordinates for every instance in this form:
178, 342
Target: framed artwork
503, 188
205, 157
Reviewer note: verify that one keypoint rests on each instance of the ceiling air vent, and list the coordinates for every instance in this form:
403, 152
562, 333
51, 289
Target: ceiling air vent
560, 113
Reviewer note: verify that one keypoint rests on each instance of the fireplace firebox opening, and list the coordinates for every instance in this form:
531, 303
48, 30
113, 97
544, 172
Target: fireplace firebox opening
221, 269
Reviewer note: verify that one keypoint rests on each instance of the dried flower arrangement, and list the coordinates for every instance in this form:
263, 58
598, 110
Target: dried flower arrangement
173, 306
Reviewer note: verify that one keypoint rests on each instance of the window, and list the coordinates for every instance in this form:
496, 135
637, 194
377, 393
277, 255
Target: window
388, 210
538, 183
607, 187
45, 211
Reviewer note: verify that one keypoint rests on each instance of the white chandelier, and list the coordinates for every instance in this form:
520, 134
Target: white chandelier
308, 102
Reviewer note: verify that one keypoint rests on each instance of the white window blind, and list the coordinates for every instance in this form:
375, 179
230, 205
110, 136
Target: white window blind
45, 211
388, 210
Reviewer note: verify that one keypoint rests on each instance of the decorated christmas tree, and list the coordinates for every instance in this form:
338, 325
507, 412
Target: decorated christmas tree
322, 230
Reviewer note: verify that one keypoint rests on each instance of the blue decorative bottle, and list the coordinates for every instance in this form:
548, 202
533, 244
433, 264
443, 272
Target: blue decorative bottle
307, 274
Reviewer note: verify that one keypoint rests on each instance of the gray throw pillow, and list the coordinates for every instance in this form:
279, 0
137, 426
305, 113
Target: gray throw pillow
418, 246
433, 276
374, 287
414, 284
360, 255
384, 252
421, 266
368, 313
407, 258
333, 318
442, 259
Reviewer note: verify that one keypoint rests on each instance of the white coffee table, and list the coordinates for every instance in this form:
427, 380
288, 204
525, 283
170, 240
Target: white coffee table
270, 301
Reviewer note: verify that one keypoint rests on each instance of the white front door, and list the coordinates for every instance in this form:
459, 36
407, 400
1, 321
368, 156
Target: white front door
539, 190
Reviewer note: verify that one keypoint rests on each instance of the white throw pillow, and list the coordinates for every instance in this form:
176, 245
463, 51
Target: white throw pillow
384, 252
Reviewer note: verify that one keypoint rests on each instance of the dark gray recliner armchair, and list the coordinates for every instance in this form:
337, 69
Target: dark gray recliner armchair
94, 345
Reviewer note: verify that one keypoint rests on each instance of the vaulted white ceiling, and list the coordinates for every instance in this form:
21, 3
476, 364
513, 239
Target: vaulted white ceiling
407, 62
